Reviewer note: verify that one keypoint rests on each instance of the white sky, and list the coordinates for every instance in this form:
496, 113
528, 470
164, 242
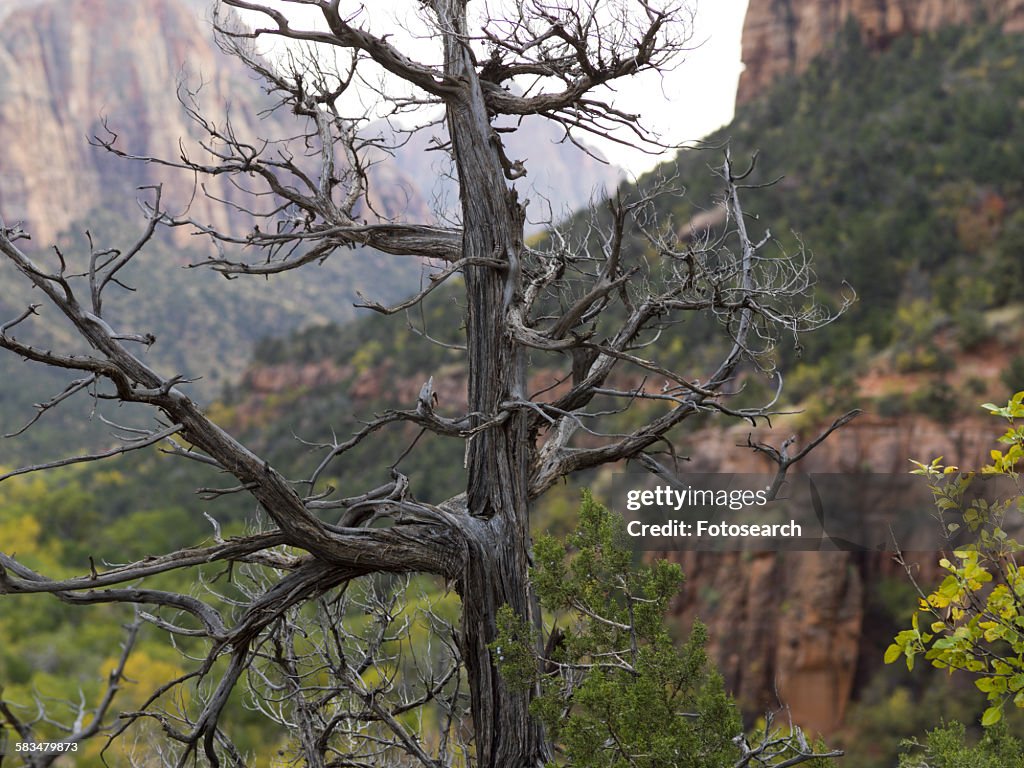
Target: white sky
699, 95
684, 105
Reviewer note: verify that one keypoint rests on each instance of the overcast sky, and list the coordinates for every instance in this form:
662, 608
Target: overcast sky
700, 95
683, 105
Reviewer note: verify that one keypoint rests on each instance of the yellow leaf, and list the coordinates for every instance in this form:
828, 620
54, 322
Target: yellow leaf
892, 653
992, 716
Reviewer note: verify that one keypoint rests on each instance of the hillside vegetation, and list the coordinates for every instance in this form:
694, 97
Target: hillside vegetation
901, 172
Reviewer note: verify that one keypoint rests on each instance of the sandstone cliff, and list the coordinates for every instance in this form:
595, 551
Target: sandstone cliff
65, 67
795, 627
783, 36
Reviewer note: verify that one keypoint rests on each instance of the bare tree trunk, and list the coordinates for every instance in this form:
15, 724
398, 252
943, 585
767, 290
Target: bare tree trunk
497, 568
505, 733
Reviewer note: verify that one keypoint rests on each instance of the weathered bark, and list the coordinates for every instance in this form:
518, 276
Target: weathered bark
497, 567
496, 575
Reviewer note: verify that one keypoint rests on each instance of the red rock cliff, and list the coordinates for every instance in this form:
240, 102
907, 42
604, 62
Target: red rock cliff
783, 36
793, 626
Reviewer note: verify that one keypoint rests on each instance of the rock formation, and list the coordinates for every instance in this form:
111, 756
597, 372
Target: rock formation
793, 628
66, 67
783, 36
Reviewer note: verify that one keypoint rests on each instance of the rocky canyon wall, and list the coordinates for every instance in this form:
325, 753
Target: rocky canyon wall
794, 628
67, 67
70, 70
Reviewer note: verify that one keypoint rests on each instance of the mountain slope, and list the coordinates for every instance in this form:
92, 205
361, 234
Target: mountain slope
899, 171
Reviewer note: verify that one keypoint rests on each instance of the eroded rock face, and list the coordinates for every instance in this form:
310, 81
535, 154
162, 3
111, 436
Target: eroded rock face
793, 628
67, 66
783, 36
784, 628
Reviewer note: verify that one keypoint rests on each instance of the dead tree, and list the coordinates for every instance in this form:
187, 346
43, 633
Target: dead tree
583, 303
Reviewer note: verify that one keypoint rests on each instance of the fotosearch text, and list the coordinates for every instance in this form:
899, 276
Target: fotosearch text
707, 528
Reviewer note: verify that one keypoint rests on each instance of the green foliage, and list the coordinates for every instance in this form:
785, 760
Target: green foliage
895, 706
512, 649
902, 169
914, 331
936, 399
615, 689
618, 691
947, 747
974, 620
1013, 375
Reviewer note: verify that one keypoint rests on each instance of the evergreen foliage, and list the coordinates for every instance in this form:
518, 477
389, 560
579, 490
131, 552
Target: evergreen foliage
947, 747
617, 690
